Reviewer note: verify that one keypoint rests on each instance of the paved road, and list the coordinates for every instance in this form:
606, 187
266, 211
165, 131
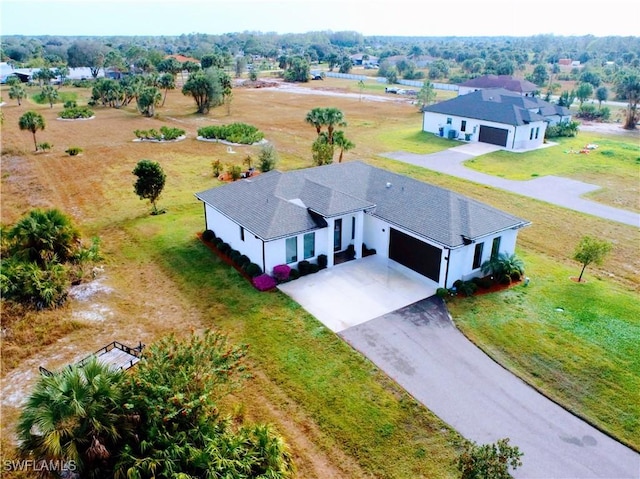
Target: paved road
563, 192
420, 348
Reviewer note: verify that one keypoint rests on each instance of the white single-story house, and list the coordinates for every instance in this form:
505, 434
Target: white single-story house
508, 82
496, 116
284, 217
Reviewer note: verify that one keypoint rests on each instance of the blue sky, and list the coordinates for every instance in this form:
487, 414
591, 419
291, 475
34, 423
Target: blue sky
369, 17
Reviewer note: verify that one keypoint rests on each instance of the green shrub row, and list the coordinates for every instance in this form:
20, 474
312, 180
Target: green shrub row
76, 112
166, 133
234, 132
240, 260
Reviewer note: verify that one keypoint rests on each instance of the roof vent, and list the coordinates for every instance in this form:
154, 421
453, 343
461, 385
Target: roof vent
388, 185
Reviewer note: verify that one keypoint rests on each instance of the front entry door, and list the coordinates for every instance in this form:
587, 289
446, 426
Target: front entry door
337, 235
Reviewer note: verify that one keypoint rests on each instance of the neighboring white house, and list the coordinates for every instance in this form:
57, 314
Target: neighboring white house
508, 82
496, 116
282, 218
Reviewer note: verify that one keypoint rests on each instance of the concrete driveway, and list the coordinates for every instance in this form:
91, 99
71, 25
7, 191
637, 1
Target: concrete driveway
559, 191
420, 348
357, 291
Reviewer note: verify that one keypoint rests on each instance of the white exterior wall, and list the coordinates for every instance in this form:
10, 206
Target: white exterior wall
376, 235
229, 231
523, 133
275, 252
461, 259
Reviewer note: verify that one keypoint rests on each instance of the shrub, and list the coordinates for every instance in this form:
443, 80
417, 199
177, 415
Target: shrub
169, 133
225, 248
70, 104
467, 288
313, 268
303, 267
484, 283
44, 146
569, 129
234, 255
515, 276
73, 113
294, 274
442, 292
208, 235
322, 261
235, 133
217, 242
267, 159
217, 167
73, 150
253, 270
243, 260
264, 282
457, 283
235, 172
489, 460
281, 272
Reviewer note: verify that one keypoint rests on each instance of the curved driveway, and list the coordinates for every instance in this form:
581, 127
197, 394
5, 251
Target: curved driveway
420, 348
552, 189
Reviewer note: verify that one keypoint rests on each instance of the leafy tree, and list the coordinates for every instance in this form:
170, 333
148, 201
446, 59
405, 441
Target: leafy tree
207, 89
170, 65
591, 78
332, 60
50, 94
241, 65
13, 80
489, 461
86, 54
539, 75
150, 182
505, 68
175, 392
113, 59
17, 92
190, 67
342, 143
590, 250
298, 70
584, 92
212, 60
426, 95
61, 72
167, 82
75, 415
148, 99
346, 65
566, 98
602, 94
32, 121
267, 158
628, 87
44, 75
391, 75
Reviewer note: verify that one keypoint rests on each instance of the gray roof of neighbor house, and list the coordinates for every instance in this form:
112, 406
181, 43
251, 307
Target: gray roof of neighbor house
498, 105
276, 204
507, 82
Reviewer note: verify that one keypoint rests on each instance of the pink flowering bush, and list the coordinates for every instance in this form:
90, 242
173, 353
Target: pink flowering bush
281, 273
264, 282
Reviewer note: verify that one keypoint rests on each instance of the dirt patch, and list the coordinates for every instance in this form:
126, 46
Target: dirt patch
608, 129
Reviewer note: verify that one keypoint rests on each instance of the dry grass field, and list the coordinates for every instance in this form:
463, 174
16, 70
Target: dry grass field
136, 300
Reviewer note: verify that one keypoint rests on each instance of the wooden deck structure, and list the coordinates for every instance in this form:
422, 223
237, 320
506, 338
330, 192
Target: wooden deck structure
115, 354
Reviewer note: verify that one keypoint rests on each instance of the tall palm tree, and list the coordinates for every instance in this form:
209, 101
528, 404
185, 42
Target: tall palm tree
17, 92
342, 142
316, 118
32, 121
75, 416
332, 118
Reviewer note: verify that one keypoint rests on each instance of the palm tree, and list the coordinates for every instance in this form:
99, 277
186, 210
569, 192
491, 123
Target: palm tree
342, 142
332, 118
44, 234
75, 416
504, 267
33, 122
50, 93
17, 92
316, 118
167, 82
148, 98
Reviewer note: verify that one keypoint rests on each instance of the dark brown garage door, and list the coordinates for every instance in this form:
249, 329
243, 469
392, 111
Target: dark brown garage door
415, 254
494, 136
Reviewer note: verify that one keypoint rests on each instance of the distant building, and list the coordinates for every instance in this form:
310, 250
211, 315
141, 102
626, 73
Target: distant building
508, 82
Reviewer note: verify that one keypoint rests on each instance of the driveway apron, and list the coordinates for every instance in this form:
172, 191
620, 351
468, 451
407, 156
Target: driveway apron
420, 348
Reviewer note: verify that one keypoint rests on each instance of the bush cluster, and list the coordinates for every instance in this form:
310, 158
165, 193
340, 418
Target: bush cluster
73, 150
569, 129
234, 132
165, 134
264, 282
76, 112
591, 113
282, 273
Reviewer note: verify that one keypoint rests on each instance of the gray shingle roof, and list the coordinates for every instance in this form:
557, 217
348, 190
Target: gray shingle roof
274, 204
498, 105
507, 82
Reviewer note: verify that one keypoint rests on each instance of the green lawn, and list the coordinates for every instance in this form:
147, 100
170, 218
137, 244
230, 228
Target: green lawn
576, 342
414, 141
372, 419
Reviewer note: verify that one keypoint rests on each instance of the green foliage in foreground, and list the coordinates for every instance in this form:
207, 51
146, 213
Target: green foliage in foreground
355, 406
489, 461
575, 341
76, 112
234, 132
